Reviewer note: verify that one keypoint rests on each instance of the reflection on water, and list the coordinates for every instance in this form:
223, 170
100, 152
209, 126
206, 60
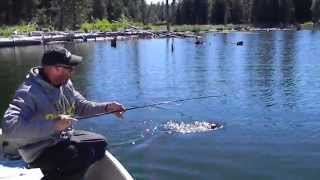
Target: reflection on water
267, 99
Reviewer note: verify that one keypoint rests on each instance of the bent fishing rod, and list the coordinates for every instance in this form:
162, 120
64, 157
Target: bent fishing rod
146, 106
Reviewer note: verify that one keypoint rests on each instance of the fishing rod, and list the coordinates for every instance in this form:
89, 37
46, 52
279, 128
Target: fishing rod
146, 106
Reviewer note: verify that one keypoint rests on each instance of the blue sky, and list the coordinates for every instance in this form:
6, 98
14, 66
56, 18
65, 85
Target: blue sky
156, 1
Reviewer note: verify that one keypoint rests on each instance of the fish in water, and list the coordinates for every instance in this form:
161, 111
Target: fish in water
195, 127
215, 125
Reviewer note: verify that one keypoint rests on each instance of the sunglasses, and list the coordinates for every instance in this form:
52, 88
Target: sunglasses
70, 68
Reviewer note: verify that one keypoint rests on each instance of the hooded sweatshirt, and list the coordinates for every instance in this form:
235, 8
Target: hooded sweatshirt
29, 121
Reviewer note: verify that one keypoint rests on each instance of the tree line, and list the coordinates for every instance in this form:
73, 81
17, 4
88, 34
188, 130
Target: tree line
70, 14
268, 12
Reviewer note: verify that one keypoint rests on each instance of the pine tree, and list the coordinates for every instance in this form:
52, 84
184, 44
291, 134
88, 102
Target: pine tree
114, 9
98, 9
200, 11
218, 12
173, 12
237, 12
315, 8
302, 10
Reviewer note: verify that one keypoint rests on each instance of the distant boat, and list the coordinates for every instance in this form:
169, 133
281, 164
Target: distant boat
106, 168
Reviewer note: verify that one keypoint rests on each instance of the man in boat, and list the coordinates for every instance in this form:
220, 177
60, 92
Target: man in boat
40, 117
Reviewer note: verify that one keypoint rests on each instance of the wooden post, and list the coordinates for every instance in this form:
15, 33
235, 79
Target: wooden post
114, 42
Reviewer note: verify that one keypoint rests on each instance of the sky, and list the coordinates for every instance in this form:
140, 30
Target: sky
156, 1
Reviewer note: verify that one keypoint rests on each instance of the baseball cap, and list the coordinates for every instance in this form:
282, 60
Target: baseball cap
60, 55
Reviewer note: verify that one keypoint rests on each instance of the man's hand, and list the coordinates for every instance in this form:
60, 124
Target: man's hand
63, 122
116, 108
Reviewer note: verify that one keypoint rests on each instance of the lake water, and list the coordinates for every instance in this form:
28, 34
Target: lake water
267, 97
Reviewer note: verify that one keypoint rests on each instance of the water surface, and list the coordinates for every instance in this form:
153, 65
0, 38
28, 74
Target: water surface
267, 98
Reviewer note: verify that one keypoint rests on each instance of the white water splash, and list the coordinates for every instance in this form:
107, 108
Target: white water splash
195, 127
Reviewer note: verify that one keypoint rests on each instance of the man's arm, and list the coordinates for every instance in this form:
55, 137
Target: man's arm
85, 107
18, 122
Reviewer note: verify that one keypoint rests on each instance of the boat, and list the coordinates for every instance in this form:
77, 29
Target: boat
108, 168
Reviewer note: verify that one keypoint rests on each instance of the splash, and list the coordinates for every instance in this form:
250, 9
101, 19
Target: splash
195, 127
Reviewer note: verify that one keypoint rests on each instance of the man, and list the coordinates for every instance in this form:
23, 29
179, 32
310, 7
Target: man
40, 117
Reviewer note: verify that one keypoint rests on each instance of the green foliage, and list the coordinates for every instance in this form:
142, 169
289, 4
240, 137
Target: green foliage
192, 28
7, 31
26, 28
124, 22
87, 27
99, 25
308, 25
116, 26
196, 29
104, 25
147, 27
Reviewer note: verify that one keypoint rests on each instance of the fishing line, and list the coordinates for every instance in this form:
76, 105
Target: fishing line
182, 114
147, 106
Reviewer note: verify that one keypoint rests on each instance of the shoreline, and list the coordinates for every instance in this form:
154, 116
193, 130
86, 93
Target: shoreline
185, 31
47, 38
